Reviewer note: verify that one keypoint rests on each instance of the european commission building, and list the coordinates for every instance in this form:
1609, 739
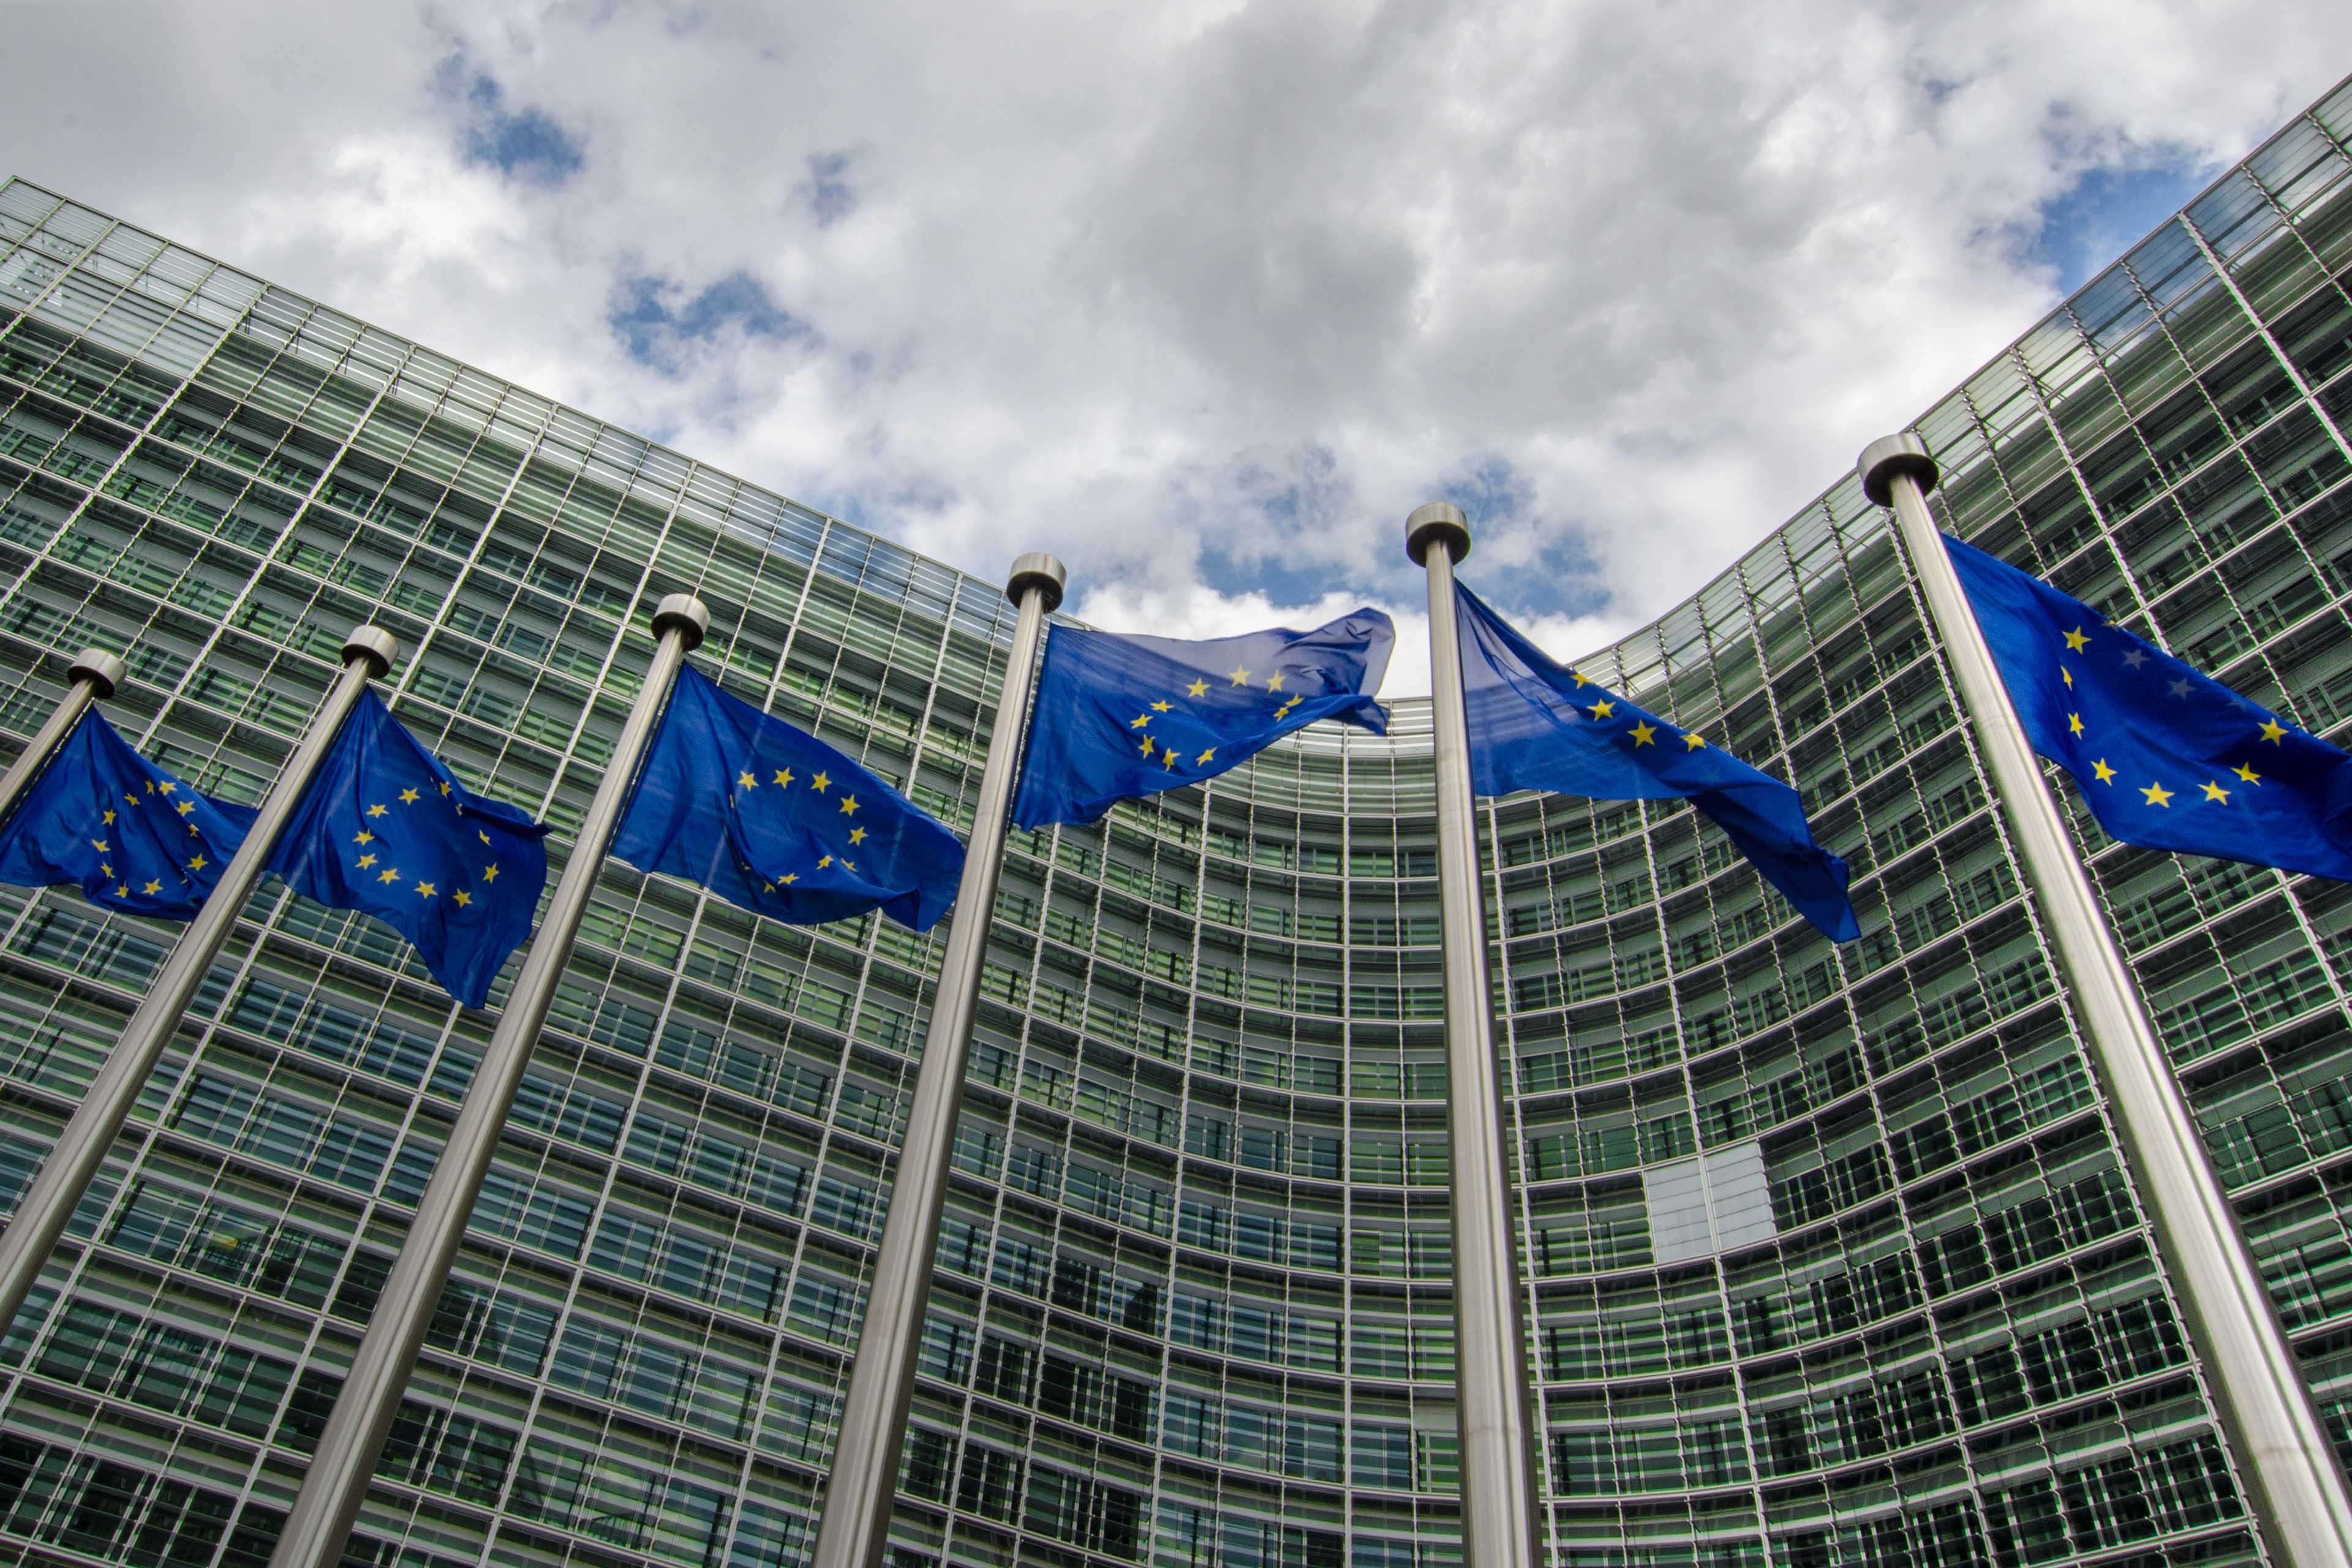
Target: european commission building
1828, 1256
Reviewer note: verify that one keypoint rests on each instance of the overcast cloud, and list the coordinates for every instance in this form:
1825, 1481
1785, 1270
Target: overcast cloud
1203, 297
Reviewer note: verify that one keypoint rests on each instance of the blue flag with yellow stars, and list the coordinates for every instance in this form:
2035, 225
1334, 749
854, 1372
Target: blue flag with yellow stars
1120, 717
130, 836
386, 829
1536, 725
2168, 758
772, 818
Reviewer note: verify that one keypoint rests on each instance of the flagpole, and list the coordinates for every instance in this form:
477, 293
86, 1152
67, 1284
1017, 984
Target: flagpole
2298, 1498
81, 1148
1492, 1405
336, 1482
863, 1478
92, 677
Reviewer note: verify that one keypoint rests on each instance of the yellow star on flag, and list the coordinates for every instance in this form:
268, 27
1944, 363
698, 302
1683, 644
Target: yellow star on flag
2066, 674
1601, 710
790, 879
1582, 680
1644, 733
482, 836
2106, 775
1168, 758
849, 806
185, 807
198, 863
491, 875
152, 888
464, 897
408, 798
1274, 683
2076, 641
1162, 706
822, 864
166, 788
2074, 723
1150, 745
389, 874
1203, 759
784, 776
746, 780
367, 862
1694, 741
821, 783
363, 837
444, 789
2246, 772
2274, 731
109, 820
857, 835
2158, 795
1138, 722
1198, 688
99, 845
424, 889
2215, 791
376, 810
1241, 676
122, 892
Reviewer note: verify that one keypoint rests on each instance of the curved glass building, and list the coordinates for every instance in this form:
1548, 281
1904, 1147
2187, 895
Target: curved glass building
1829, 1256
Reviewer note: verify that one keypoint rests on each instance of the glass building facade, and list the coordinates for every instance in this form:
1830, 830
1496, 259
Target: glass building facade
1829, 1256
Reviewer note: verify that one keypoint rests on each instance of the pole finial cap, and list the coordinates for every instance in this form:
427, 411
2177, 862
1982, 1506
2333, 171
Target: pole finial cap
1883, 459
1439, 522
687, 616
1039, 571
97, 669
374, 643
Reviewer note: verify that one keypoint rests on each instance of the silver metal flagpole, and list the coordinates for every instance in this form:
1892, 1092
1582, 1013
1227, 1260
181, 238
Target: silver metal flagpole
94, 674
2298, 1497
1492, 1405
336, 1482
864, 1480
48, 1204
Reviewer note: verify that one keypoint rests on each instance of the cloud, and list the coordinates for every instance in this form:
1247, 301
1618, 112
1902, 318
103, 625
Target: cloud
1203, 297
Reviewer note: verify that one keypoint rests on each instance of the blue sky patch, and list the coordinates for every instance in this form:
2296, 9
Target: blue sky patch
657, 321
526, 145
828, 189
2105, 211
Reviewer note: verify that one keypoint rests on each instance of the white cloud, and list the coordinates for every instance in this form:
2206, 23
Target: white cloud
1199, 292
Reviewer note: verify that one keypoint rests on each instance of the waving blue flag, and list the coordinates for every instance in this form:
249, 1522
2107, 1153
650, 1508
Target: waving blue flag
386, 829
130, 836
2168, 758
773, 819
1536, 725
1120, 717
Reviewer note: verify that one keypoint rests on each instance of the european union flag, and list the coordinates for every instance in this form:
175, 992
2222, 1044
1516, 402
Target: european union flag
773, 819
1120, 717
386, 829
130, 836
2167, 758
1534, 725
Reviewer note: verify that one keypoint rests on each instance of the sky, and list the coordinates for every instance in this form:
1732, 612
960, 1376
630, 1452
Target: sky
1202, 296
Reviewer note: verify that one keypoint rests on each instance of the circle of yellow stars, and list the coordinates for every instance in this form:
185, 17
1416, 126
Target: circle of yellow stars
2156, 793
389, 875
1645, 730
821, 783
103, 841
1167, 756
